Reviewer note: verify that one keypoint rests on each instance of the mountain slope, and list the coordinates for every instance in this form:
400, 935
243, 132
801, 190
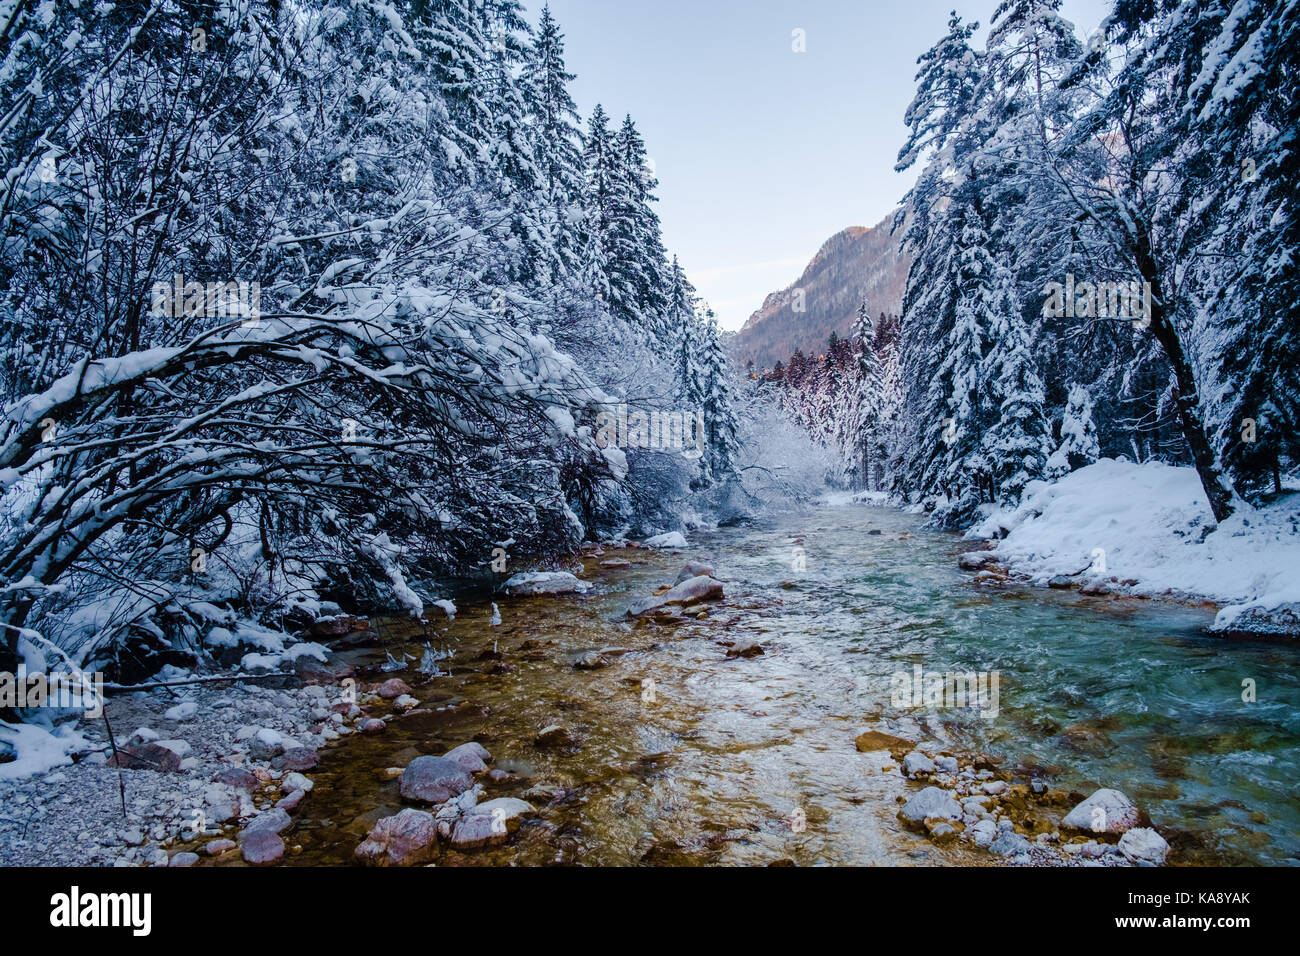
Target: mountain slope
852, 265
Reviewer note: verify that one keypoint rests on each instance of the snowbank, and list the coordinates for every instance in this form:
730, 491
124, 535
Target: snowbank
1150, 523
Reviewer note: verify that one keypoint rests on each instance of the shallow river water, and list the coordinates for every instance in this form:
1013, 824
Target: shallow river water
752, 761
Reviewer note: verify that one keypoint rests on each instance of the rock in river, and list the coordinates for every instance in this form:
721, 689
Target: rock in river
1143, 846
544, 582
471, 757
1106, 811
699, 588
930, 804
404, 839
490, 823
434, 780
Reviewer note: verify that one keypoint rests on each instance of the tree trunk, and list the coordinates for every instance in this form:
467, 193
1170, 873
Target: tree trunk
1189, 412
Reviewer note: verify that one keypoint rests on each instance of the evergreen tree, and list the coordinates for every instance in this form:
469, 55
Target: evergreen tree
1078, 446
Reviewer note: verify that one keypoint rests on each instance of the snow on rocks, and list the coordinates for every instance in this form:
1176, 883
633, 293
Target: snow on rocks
1143, 846
545, 582
670, 539
698, 588
1147, 529
930, 803
490, 823
1106, 811
917, 764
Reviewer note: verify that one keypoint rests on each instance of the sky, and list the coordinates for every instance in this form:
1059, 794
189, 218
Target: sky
762, 153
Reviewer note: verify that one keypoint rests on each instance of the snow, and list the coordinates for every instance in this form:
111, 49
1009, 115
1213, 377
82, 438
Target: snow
1152, 524
670, 539
544, 582
39, 749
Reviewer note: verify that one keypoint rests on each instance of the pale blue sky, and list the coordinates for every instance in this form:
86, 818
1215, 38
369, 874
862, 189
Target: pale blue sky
762, 153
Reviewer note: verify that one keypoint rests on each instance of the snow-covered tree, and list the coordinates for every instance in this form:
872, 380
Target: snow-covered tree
1078, 446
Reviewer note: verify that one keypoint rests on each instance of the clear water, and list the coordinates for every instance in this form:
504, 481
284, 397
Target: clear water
1093, 692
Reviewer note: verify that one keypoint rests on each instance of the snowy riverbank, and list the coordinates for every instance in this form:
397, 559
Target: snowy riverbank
1146, 529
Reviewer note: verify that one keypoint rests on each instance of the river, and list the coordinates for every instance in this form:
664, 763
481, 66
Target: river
752, 760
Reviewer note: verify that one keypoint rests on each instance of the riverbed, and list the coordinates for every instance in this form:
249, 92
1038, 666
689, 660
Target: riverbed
682, 755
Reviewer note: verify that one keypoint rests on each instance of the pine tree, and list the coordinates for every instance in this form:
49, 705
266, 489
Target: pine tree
720, 417
1078, 446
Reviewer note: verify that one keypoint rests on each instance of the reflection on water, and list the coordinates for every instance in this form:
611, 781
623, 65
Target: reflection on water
753, 760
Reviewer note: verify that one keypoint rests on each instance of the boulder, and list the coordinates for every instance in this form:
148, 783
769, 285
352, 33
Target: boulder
266, 744
261, 846
296, 758
1060, 583
976, 560
693, 569
470, 757
407, 838
671, 539
490, 823
699, 588
554, 737
917, 764
434, 780
545, 582
393, 688
1280, 621
1009, 843
873, 740
749, 649
149, 756
237, 777
930, 804
1106, 811
1143, 846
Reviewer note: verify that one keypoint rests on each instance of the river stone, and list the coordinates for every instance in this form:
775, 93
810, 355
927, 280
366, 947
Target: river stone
261, 846
403, 839
917, 763
296, 758
947, 764
434, 780
238, 777
1009, 843
148, 756
183, 859
616, 564
266, 744
984, 832
221, 803
554, 736
693, 569
1280, 621
930, 803
490, 823
1143, 846
217, 847
393, 688
544, 582
699, 588
1106, 811
470, 757
291, 800
275, 820
1060, 583
748, 649
976, 560
875, 740
590, 661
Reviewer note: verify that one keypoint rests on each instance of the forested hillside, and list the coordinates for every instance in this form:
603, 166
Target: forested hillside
1103, 240
303, 299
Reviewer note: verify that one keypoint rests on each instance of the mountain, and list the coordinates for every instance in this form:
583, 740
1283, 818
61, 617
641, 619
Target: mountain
852, 265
